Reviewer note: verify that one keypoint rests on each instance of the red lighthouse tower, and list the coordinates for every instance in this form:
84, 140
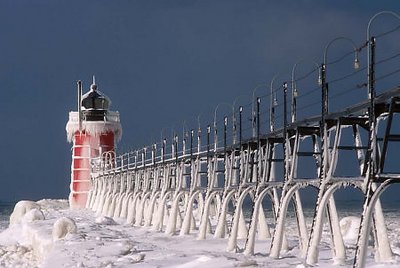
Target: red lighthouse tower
93, 130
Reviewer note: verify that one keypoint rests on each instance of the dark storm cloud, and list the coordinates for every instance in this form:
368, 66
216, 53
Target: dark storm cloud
161, 63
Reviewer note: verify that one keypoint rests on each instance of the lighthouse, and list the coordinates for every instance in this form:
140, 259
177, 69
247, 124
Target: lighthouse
93, 130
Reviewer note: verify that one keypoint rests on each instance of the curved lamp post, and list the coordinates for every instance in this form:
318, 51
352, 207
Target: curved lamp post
325, 107
356, 50
294, 88
198, 133
371, 44
234, 121
325, 99
253, 100
273, 103
215, 123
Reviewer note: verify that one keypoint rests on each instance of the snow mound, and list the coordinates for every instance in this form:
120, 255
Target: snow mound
53, 204
131, 259
33, 215
20, 209
349, 227
104, 220
198, 262
17, 256
62, 227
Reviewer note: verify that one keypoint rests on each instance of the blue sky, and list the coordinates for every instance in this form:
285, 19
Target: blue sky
162, 63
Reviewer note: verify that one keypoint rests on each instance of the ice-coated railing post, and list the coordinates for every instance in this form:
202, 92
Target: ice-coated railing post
240, 126
136, 157
153, 154
208, 141
288, 165
144, 157
191, 143
253, 108
328, 167
225, 128
316, 229
122, 162
215, 136
273, 102
209, 184
324, 199
234, 127
278, 237
255, 212
198, 140
285, 134
258, 170
176, 150
258, 122
164, 146
184, 145
359, 260
221, 222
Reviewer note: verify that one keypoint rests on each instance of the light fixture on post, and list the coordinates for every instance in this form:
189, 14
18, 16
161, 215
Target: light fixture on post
273, 103
294, 88
215, 124
356, 60
198, 134
371, 44
356, 65
253, 100
234, 119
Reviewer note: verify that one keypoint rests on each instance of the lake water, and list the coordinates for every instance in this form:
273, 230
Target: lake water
5, 211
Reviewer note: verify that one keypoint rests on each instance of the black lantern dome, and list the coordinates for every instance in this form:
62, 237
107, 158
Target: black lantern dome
94, 104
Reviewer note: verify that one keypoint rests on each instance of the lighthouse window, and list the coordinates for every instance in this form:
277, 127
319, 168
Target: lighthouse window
95, 101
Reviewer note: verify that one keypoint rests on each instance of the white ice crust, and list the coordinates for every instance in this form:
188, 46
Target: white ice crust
49, 234
111, 123
349, 227
20, 209
62, 227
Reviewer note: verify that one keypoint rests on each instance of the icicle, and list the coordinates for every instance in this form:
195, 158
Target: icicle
220, 230
131, 210
171, 226
189, 222
232, 242
204, 219
242, 232
263, 228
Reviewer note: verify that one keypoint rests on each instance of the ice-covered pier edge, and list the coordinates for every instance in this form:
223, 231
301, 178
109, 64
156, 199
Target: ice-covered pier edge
190, 188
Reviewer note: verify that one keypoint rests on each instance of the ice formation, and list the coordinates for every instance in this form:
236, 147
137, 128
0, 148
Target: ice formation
62, 227
32, 215
20, 209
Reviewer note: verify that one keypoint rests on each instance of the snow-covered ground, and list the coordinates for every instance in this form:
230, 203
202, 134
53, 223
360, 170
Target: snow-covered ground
48, 234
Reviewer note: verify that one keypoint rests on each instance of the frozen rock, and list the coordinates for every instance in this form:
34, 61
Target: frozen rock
105, 220
138, 257
125, 248
33, 215
20, 209
62, 227
80, 265
349, 228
